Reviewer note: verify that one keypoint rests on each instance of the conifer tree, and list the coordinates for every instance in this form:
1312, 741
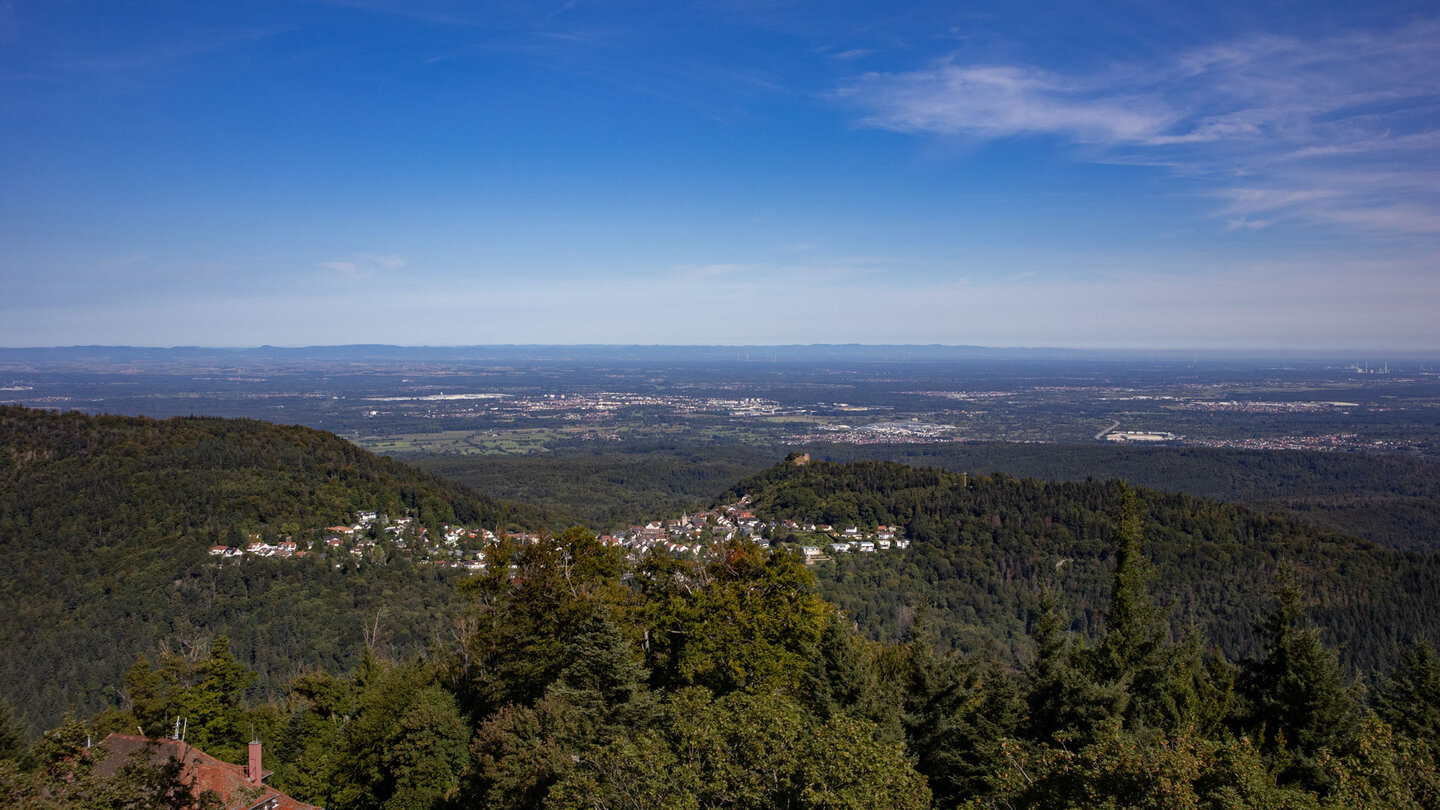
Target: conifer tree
842, 677
1409, 699
12, 734
1295, 700
1133, 655
604, 683
1063, 701
955, 711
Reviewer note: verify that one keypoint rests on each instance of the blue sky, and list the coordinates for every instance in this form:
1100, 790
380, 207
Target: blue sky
1080, 174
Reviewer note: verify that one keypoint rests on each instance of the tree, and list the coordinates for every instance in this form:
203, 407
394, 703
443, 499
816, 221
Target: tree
746, 751
1409, 699
1295, 701
1065, 703
520, 625
604, 684
1145, 770
213, 707
955, 712
842, 677
748, 620
12, 734
1383, 770
519, 754
405, 746
426, 752
843, 766
154, 694
1165, 685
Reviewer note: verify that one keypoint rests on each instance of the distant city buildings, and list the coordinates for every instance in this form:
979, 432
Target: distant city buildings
1140, 436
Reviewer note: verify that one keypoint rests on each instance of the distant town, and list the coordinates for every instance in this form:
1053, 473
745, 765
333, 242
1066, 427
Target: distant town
375, 539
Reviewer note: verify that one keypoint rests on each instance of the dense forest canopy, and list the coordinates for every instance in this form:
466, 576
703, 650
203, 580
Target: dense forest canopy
105, 524
986, 547
1391, 500
579, 681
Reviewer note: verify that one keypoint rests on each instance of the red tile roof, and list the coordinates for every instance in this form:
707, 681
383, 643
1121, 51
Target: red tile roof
203, 771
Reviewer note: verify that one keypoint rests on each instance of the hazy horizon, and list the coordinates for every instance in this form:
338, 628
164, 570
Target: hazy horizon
1375, 357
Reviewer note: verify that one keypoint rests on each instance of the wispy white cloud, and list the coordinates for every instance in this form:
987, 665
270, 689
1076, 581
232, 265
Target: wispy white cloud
1246, 201
1310, 126
385, 262
1000, 101
1245, 224
1379, 144
363, 265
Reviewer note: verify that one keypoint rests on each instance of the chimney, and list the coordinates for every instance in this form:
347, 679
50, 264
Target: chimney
254, 773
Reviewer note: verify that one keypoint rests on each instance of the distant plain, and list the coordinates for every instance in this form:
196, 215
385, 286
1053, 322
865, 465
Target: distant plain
615, 434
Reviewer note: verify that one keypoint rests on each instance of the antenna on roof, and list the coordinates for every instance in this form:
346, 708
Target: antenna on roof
184, 729
176, 735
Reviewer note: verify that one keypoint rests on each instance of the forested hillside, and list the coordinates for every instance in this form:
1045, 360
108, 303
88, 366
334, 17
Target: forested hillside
105, 525
987, 547
1390, 500
1387, 499
608, 485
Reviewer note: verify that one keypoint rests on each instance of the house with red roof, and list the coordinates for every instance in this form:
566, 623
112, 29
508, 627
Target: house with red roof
239, 787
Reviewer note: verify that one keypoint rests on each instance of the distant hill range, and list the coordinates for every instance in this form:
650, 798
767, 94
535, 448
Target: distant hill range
606, 353
106, 524
589, 354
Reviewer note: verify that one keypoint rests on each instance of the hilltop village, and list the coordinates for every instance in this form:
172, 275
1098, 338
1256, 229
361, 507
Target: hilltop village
374, 538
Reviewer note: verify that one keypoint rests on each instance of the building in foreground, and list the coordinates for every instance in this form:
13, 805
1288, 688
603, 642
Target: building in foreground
239, 787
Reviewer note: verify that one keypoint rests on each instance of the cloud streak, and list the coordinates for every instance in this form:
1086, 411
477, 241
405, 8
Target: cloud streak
363, 265
1002, 101
1313, 127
